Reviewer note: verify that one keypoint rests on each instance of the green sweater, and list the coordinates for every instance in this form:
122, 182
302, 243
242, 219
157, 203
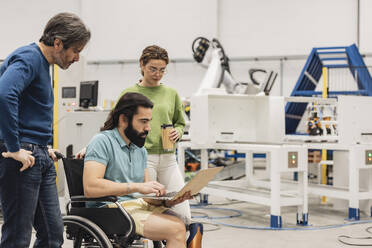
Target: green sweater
167, 109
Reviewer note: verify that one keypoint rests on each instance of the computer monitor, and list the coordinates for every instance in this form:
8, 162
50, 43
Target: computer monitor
88, 93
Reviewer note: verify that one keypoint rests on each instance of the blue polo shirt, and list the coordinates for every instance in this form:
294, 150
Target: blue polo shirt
124, 163
26, 98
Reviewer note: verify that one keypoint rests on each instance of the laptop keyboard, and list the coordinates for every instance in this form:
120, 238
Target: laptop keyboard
171, 194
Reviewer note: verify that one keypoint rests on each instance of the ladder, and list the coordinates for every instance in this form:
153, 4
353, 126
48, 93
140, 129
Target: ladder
330, 57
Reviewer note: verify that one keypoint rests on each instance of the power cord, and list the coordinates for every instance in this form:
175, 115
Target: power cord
205, 223
341, 237
238, 213
201, 215
227, 203
215, 220
215, 227
292, 228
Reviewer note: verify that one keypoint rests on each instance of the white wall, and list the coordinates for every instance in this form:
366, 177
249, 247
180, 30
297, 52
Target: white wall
286, 27
365, 26
122, 28
22, 21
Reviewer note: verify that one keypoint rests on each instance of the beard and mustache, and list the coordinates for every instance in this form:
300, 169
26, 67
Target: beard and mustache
134, 136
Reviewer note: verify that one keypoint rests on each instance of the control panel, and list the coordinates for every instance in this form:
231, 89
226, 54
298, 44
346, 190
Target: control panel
368, 156
292, 159
69, 101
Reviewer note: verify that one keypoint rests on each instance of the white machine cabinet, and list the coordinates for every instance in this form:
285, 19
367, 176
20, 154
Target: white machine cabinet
237, 118
78, 128
281, 159
261, 119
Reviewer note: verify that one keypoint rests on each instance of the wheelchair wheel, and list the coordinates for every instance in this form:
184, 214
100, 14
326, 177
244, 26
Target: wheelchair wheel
85, 233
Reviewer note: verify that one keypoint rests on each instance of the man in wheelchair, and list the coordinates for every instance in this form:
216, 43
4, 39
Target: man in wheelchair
115, 164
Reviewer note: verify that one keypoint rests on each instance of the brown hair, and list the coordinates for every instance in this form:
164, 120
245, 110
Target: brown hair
153, 52
67, 27
128, 106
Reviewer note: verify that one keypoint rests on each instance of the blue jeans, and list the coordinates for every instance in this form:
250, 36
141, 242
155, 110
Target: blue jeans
29, 199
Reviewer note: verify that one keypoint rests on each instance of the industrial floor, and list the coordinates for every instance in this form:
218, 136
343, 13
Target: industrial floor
322, 232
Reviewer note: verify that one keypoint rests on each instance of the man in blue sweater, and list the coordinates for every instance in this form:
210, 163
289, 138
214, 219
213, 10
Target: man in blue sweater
28, 192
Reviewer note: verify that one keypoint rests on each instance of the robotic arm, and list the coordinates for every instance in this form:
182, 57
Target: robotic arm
218, 72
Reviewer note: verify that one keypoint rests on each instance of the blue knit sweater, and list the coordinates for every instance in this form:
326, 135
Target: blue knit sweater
26, 98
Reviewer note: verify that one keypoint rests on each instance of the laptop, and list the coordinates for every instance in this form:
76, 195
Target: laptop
199, 181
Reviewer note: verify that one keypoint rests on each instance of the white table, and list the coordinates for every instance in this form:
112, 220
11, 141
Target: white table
271, 193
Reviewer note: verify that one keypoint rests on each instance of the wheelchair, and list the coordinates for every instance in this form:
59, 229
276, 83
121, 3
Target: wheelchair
95, 227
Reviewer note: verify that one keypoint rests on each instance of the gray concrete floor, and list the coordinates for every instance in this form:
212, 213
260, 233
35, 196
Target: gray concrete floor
320, 216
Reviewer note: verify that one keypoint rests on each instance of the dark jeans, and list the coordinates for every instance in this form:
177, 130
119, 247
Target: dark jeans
29, 199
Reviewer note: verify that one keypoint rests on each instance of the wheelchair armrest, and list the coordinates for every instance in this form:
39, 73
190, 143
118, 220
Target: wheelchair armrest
81, 198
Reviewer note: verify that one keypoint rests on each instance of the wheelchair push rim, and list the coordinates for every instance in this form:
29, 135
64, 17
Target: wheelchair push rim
88, 235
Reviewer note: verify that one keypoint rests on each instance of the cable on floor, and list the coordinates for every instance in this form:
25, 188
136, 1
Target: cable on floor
205, 216
205, 223
341, 237
200, 215
292, 228
238, 213
228, 202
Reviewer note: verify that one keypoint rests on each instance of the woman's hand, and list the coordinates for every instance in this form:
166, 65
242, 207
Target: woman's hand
173, 135
153, 201
184, 197
81, 153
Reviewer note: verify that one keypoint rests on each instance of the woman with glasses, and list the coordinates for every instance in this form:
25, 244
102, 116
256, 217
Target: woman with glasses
168, 109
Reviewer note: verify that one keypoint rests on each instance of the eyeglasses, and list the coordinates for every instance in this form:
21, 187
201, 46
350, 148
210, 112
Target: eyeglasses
154, 70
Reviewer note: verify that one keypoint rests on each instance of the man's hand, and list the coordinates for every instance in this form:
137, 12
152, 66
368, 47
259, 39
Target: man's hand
173, 135
152, 187
184, 197
81, 153
52, 154
22, 156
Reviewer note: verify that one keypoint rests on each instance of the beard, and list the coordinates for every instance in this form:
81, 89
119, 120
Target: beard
58, 60
135, 137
